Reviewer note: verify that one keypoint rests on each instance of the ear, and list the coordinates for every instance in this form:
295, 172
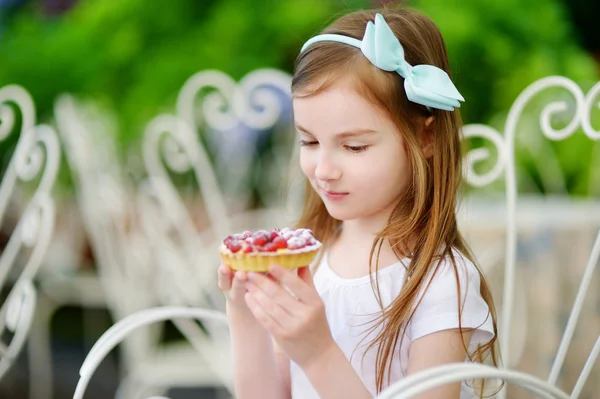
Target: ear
426, 137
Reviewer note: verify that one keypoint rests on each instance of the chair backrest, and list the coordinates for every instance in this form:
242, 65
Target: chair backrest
35, 160
107, 207
184, 256
234, 113
505, 165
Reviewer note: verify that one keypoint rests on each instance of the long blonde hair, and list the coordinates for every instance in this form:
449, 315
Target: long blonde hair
426, 211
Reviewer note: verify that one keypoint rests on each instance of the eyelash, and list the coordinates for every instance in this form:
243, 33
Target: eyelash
353, 149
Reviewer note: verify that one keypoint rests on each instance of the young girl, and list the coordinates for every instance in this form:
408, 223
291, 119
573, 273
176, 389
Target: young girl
394, 290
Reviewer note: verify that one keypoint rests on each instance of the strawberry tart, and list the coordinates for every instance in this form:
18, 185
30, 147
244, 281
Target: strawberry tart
256, 251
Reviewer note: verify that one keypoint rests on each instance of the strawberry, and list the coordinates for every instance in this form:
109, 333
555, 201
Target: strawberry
280, 242
260, 240
270, 247
269, 241
304, 233
261, 233
296, 243
287, 234
234, 246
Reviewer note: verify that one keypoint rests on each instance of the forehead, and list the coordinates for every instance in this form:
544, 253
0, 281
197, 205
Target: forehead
338, 108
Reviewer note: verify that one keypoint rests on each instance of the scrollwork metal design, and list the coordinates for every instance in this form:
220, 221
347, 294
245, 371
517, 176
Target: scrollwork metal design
36, 155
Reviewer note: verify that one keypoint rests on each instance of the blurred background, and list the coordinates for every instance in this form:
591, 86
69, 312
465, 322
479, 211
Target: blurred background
159, 157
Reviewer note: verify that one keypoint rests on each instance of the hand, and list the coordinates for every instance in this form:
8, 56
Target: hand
233, 284
295, 317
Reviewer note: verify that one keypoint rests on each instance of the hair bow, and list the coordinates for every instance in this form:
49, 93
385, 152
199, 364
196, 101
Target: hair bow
424, 84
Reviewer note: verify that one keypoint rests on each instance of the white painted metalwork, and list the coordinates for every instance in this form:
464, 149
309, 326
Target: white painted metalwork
425, 380
124, 327
505, 162
35, 160
127, 258
232, 119
252, 101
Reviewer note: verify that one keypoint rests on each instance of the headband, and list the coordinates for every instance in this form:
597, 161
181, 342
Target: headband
424, 84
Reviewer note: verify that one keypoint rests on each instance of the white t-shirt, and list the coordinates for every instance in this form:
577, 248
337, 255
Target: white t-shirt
350, 303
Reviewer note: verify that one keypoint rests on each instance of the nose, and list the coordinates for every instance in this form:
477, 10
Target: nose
327, 170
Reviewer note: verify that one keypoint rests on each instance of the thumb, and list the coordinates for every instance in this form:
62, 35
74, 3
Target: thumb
305, 274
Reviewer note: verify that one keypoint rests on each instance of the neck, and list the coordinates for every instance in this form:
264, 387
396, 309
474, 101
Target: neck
353, 246
361, 233
364, 230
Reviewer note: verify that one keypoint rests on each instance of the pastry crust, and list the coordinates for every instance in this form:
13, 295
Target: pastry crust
259, 260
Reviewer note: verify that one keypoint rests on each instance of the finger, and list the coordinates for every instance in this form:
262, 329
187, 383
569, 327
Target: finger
271, 288
259, 313
225, 276
269, 304
298, 287
241, 275
305, 274
238, 287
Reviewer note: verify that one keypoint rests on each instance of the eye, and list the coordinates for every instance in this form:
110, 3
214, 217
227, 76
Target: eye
356, 149
306, 143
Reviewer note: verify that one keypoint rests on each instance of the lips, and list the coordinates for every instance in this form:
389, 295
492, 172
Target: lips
334, 192
334, 195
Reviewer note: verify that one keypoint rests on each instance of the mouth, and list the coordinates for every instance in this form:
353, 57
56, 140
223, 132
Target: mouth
334, 195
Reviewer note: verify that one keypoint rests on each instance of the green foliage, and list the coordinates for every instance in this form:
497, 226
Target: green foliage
132, 56
496, 49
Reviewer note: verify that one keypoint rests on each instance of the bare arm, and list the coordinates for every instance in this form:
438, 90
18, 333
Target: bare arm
296, 319
435, 349
283, 364
332, 376
255, 365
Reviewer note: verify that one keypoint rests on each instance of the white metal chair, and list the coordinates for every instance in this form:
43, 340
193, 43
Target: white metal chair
505, 145
184, 259
126, 266
35, 160
118, 332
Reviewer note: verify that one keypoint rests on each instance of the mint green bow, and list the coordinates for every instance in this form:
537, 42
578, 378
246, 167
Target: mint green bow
424, 84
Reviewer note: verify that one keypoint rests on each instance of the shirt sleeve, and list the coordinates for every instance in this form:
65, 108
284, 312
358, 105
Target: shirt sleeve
438, 309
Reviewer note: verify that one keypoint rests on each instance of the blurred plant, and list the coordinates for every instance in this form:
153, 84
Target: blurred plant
498, 48
132, 56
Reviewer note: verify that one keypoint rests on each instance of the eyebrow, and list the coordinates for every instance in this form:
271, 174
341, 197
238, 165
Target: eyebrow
355, 132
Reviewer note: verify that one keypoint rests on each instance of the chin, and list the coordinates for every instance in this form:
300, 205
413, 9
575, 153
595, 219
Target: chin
339, 213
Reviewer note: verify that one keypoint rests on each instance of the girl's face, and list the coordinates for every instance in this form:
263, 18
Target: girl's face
352, 154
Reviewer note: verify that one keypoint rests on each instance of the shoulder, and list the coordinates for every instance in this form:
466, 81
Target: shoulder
452, 290
454, 268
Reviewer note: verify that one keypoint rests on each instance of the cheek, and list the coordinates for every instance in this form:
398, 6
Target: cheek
386, 173
307, 164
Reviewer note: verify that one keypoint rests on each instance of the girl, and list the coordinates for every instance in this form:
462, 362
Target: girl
394, 290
